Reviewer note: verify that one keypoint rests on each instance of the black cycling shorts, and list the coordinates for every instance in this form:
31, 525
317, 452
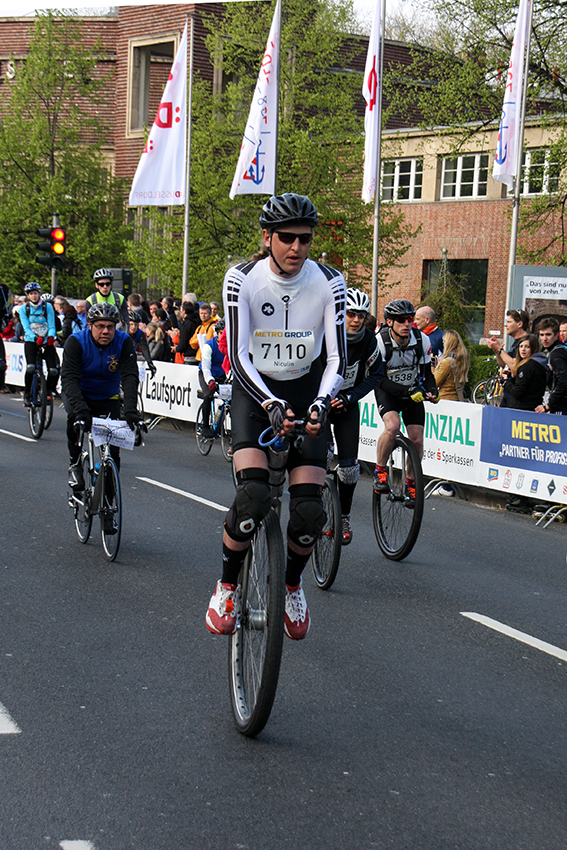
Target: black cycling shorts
249, 419
345, 430
411, 413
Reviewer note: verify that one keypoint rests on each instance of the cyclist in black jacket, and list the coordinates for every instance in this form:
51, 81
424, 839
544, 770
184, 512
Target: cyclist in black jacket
363, 373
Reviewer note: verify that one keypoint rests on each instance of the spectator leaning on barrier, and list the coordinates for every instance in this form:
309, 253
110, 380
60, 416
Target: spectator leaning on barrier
557, 360
526, 385
452, 371
206, 327
517, 326
425, 322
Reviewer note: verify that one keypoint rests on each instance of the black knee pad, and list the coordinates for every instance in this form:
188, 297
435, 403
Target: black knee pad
30, 368
306, 514
53, 373
252, 502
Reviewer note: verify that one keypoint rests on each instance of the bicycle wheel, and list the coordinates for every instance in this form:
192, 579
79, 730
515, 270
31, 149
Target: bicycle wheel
82, 505
110, 509
37, 411
327, 551
203, 443
396, 521
255, 650
226, 433
479, 392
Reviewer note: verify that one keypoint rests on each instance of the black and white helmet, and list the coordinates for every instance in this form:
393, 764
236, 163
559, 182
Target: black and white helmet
134, 317
288, 209
47, 296
219, 326
357, 300
103, 311
103, 274
398, 309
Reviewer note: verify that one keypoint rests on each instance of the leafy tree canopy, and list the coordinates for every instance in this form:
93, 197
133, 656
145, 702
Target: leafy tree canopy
55, 158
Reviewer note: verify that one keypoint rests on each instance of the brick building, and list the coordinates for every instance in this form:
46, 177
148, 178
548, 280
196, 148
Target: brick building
464, 214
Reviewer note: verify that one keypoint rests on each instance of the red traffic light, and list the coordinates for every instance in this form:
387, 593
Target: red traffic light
58, 247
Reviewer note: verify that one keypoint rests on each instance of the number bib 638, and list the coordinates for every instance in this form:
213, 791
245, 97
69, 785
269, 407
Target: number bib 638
283, 355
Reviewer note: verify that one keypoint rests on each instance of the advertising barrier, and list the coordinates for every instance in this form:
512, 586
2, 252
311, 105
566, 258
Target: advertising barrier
506, 450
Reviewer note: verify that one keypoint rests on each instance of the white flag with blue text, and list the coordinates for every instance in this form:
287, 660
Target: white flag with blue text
256, 168
160, 177
508, 143
371, 91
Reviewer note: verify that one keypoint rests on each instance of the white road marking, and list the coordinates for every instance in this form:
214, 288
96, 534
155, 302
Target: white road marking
77, 845
7, 725
214, 505
18, 436
549, 648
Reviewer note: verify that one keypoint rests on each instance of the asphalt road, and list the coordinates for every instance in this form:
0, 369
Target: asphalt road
398, 723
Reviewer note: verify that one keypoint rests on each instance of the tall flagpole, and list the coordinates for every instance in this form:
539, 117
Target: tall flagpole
376, 245
518, 176
278, 77
185, 278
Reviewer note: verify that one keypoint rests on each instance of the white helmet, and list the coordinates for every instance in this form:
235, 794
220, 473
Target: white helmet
357, 300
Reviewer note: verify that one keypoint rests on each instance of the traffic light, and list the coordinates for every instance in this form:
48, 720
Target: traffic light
44, 259
58, 248
55, 244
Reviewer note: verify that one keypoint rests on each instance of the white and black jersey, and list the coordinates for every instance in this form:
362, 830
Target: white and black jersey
403, 366
276, 328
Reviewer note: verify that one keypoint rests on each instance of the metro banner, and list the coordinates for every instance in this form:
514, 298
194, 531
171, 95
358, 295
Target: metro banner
524, 453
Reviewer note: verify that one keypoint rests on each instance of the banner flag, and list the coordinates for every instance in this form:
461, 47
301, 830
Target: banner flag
371, 91
256, 168
509, 142
160, 177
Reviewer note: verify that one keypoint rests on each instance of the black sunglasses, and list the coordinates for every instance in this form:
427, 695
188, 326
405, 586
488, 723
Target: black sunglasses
356, 314
289, 238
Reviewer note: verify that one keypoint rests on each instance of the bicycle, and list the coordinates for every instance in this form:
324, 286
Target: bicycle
326, 554
102, 494
219, 422
255, 649
40, 411
489, 389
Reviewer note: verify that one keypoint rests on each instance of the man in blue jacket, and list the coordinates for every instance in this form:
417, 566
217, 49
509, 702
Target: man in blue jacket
95, 362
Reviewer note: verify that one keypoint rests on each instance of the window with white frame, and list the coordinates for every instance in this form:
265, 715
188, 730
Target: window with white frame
540, 172
465, 176
402, 179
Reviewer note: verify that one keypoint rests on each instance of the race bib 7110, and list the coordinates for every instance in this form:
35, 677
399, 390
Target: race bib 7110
283, 355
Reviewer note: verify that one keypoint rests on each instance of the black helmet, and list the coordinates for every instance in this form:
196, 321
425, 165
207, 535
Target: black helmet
103, 311
134, 317
288, 209
398, 308
103, 274
219, 326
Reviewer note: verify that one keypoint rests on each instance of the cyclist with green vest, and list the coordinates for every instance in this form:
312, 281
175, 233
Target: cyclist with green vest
103, 279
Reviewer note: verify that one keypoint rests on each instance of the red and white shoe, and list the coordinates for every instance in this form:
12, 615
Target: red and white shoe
297, 620
221, 614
